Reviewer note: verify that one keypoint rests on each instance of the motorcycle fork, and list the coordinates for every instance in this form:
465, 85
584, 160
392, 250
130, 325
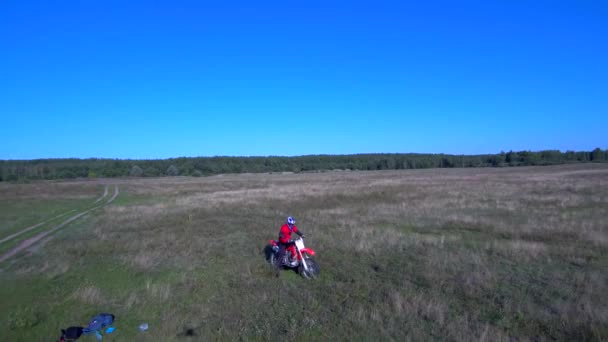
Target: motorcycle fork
302, 259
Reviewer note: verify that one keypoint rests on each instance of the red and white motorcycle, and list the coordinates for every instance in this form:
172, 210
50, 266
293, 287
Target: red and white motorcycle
304, 263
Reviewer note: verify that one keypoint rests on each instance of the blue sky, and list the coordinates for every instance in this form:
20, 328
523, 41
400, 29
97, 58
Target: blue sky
129, 79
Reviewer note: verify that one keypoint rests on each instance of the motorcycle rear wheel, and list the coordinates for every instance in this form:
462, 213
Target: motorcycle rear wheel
273, 261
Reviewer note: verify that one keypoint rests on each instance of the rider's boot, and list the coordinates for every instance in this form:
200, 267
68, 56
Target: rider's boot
293, 261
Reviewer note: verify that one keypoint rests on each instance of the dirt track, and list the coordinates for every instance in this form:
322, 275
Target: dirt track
12, 236
105, 193
31, 241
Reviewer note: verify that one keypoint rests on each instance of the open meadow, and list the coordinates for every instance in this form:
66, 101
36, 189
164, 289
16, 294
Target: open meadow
439, 254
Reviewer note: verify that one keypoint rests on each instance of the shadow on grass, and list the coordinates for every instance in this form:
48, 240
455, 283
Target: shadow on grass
189, 332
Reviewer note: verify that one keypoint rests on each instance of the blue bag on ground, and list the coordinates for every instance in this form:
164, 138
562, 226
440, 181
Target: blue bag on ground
99, 322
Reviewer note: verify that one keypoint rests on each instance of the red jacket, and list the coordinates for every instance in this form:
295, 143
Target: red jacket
285, 233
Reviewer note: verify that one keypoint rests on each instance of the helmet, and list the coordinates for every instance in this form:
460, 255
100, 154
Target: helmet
291, 221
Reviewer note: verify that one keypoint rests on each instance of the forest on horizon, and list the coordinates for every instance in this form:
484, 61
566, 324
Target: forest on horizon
23, 170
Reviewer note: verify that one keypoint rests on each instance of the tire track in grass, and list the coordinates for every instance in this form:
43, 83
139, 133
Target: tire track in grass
105, 193
27, 243
12, 236
115, 194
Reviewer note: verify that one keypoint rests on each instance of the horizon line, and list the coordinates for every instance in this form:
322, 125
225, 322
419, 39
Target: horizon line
309, 155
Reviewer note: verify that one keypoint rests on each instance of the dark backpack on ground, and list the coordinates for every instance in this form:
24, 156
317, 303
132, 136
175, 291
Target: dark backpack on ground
70, 334
99, 322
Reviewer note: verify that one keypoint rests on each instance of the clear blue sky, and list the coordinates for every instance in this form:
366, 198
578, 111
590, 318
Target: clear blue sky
130, 79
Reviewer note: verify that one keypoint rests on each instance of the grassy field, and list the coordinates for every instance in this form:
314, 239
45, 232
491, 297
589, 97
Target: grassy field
441, 254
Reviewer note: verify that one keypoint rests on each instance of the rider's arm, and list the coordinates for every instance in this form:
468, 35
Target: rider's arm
297, 231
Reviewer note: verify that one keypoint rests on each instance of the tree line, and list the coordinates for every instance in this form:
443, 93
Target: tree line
16, 170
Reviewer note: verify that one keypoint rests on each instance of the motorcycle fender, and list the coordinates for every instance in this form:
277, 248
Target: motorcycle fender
308, 250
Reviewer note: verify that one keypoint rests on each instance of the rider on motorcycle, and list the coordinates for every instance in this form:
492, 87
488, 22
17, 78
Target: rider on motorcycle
285, 241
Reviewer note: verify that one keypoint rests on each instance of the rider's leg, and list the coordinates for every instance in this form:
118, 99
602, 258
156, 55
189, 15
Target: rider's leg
292, 250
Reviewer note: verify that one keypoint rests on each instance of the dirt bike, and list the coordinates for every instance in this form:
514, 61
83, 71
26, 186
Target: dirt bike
304, 263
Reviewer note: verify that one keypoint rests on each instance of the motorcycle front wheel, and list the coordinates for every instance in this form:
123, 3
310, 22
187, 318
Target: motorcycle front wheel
313, 269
